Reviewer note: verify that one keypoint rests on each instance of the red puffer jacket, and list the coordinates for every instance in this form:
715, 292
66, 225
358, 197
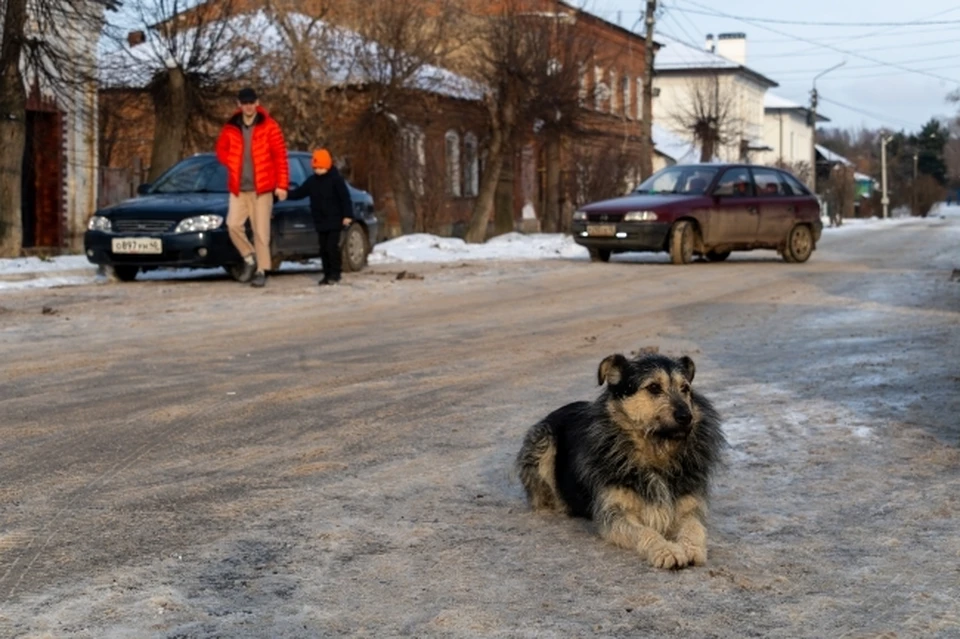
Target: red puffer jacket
270, 168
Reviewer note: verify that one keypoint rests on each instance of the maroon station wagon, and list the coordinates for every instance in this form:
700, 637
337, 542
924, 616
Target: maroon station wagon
705, 209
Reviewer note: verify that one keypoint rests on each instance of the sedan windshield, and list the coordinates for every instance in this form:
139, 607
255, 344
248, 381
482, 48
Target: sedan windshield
194, 175
682, 180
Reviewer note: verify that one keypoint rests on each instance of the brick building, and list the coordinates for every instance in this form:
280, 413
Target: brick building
445, 127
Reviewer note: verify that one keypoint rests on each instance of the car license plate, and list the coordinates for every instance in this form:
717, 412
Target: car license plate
602, 230
137, 245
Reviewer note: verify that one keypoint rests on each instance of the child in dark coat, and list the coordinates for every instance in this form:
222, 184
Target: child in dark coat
332, 210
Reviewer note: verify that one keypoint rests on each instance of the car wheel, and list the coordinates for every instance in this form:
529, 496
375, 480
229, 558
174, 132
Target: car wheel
681, 242
799, 244
717, 256
125, 272
355, 248
599, 255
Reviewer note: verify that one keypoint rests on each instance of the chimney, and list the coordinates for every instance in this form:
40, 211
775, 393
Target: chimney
733, 46
710, 46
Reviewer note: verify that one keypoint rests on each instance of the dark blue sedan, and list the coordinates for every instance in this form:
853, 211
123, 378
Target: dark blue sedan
179, 221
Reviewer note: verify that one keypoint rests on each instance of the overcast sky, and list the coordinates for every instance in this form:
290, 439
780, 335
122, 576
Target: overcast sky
896, 74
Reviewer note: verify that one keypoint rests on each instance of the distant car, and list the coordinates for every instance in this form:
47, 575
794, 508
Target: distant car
708, 210
179, 221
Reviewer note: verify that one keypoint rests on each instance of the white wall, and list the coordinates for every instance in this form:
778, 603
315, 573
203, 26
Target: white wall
790, 137
745, 94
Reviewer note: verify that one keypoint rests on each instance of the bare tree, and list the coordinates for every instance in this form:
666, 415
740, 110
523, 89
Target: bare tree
600, 173
802, 169
41, 47
187, 57
556, 104
839, 194
303, 57
401, 61
517, 63
708, 115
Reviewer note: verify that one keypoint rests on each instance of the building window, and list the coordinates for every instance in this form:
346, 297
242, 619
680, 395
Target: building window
471, 166
415, 150
625, 92
583, 86
639, 98
601, 92
614, 94
453, 163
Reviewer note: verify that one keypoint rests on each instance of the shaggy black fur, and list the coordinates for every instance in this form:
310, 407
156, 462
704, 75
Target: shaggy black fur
648, 433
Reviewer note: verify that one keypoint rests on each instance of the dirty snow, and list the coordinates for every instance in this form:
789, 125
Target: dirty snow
74, 270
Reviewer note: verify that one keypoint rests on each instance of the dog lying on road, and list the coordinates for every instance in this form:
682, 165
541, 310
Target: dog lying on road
637, 460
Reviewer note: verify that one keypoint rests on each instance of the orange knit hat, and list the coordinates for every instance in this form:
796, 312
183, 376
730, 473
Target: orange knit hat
321, 159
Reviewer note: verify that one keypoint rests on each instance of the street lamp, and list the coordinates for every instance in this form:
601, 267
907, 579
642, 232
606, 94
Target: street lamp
813, 123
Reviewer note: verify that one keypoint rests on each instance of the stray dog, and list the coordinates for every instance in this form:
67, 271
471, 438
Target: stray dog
637, 460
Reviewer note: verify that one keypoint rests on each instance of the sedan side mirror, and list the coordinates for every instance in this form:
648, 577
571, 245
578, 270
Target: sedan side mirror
143, 189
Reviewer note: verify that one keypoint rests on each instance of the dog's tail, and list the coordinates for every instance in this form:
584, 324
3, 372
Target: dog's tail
536, 465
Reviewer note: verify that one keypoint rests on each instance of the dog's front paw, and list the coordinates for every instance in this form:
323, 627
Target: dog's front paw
668, 555
696, 554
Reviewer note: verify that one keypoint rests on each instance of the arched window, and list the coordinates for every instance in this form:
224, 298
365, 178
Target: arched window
471, 166
639, 98
453, 163
614, 94
601, 92
414, 147
625, 92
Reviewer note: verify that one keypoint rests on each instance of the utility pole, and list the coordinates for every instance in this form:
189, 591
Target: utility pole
885, 201
913, 187
646, 161
813, 124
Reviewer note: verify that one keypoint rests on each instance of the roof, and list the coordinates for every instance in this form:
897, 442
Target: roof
773, 102
676, 57
349, 58
831, 157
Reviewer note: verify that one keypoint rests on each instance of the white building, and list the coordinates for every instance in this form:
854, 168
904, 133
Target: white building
789, 133
689, 78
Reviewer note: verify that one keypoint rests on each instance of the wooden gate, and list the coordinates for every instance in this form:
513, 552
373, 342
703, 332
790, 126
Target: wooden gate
42, 182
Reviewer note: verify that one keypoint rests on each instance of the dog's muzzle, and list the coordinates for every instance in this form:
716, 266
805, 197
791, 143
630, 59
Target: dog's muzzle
680, 429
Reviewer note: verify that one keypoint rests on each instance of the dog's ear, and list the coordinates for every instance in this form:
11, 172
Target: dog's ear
689, 368
611, 369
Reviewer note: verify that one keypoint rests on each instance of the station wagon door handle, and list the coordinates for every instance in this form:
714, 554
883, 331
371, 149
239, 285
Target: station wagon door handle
753, 209
791, 209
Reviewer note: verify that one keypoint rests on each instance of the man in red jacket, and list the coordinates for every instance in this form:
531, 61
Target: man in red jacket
252, 147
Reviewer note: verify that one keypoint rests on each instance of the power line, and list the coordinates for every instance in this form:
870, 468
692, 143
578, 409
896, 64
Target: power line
811, 23
886, 74
828, 46
873, 35
890, 30
873, 116
805, 54
669, 15
692, 24
872, 66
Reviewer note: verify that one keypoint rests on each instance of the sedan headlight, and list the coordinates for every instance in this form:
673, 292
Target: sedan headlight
579, 216
640, 216
199, 223
99, 223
